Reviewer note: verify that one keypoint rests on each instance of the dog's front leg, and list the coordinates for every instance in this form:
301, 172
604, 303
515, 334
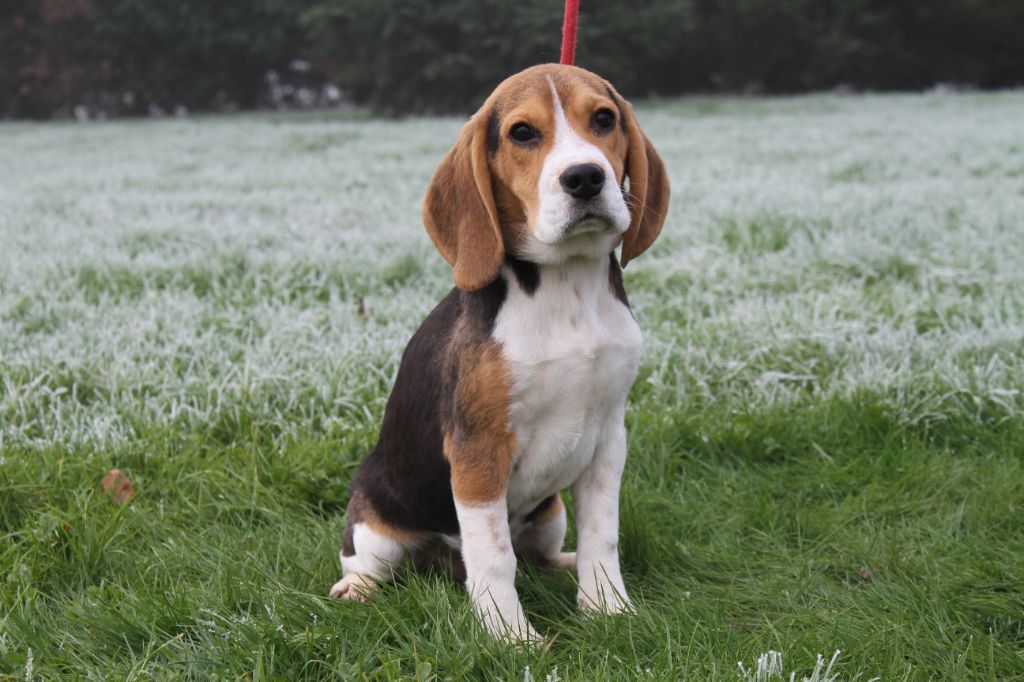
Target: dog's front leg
596, 498
491, 568
480, 448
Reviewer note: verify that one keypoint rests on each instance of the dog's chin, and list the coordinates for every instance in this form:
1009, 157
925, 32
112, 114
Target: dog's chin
588, 237
590, 222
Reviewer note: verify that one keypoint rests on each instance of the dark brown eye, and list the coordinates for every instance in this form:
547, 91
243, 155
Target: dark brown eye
603, 120
523, 133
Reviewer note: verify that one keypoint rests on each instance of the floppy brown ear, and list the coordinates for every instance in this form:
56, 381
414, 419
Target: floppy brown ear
459, 210
648, 191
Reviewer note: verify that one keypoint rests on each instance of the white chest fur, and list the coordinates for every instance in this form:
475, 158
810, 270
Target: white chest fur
574, 350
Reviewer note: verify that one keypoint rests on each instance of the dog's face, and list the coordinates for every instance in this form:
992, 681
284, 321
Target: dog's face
540, 172
557, 156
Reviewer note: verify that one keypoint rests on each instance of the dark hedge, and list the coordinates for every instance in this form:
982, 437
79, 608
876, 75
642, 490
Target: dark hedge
428, 56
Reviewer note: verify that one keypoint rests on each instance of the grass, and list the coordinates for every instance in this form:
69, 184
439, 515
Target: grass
827, 436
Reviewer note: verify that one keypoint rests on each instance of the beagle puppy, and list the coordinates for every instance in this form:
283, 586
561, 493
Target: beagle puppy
515, 386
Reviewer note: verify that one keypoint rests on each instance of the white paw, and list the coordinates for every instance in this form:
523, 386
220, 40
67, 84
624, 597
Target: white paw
563, 561
604, 598
515, 630
505, 620
355, 587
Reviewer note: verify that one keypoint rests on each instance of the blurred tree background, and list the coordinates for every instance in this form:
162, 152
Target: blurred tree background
404, 56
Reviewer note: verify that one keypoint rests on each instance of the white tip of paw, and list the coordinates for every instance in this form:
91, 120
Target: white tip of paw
514, 629
608, 602
353, 587
523, 637
528, 641
563, 561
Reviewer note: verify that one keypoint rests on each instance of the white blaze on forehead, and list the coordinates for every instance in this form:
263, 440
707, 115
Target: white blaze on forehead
569, 148
556, 209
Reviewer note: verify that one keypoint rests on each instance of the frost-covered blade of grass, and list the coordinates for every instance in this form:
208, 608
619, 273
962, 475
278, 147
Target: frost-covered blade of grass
167, 273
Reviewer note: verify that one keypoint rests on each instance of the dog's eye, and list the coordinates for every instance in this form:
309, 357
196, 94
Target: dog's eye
603, 120
523, 133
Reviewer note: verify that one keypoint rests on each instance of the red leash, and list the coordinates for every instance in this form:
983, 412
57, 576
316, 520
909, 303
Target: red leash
572, 14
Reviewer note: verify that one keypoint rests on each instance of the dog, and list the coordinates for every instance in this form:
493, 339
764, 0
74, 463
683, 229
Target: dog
514, 388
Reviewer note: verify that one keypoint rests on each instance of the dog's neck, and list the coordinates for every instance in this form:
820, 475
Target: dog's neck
568, 285
582, 272
576, 308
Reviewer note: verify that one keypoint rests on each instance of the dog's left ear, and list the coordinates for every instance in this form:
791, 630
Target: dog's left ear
648, 189
459, 210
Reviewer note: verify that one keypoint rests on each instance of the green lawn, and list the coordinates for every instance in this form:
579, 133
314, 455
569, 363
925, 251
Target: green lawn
827, 436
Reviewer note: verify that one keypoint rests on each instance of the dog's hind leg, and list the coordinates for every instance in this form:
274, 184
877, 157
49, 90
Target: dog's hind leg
543, 535
371, 552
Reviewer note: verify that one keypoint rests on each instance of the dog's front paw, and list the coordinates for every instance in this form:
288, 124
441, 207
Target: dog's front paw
504, 620
513, 630
355, 587
603, 598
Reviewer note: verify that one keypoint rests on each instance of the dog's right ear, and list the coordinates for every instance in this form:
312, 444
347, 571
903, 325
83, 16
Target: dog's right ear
459, 210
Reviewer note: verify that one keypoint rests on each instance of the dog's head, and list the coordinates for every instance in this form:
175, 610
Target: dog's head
541, 172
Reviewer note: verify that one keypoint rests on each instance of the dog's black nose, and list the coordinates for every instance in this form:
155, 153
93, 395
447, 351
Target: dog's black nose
583, 181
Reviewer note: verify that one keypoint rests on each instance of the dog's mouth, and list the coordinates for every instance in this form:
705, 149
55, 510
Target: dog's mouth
589, 222
590, 235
